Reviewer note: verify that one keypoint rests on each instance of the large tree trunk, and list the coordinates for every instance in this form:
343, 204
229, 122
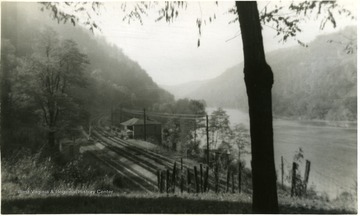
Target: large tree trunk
259, 80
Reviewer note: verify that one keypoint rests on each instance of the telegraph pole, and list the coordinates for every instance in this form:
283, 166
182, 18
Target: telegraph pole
195, 126
207, 140
111, 116
144, 125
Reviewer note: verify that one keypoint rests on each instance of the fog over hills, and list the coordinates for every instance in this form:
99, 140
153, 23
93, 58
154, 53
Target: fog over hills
114, 79
317, 82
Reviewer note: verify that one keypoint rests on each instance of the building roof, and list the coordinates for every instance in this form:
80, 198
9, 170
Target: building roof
136, 121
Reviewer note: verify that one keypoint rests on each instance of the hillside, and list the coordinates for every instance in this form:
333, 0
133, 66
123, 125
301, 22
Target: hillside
115, 78
307, 81
63, 71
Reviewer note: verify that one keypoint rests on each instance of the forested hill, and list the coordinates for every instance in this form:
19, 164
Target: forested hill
115, 79
317, 82
57, 78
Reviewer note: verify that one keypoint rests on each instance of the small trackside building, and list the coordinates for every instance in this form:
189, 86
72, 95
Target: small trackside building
136, 126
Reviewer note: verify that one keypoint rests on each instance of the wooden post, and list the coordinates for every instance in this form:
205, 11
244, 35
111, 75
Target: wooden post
233, 182
144, 125
162, 181
201, 178
195, 127
182, 183
167, 181
227, 180
181, 164
293, 182
306, 176
159, 179
174, 178
239, 177
111, 116
282, 171
216, 177
206, 185
196, 180
207, 141
188, 180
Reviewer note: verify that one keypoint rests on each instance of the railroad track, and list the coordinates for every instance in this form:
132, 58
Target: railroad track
148, 159
133, 180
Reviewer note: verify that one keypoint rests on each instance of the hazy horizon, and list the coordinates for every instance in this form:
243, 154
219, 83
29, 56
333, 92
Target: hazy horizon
183, 61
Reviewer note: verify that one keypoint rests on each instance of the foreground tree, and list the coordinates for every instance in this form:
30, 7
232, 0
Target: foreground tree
52, 71
259, 80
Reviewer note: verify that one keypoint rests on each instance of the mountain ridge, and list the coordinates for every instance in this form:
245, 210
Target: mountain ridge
309, 74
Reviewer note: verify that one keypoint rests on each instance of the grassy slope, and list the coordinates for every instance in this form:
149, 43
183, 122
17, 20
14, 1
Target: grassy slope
154, 203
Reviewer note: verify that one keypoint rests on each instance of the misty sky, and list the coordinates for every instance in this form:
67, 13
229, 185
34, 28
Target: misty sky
169, 52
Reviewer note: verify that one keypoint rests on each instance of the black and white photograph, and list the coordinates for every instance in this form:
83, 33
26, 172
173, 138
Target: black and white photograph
179, 107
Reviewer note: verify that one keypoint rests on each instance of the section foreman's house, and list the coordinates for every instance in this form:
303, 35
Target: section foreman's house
136, 127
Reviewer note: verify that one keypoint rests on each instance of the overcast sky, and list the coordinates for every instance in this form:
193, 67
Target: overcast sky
169, 52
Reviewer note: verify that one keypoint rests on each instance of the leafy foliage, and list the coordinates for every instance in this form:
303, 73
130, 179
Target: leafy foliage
54, 68
286, 19
219, 127
71, 10
180, 133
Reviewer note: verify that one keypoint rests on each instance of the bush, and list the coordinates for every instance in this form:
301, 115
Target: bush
26, 172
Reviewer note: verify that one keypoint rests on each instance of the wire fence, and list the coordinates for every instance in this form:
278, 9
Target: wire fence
322, 181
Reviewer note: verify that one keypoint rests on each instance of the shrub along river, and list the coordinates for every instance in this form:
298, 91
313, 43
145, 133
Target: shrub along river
331, 150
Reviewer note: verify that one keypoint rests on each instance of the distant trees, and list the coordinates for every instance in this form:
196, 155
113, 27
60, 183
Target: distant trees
229, 141
180, 131
241, 139
219, 127
55, 68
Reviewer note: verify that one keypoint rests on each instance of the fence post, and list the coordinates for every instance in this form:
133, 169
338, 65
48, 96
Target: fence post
188, 180
293, 181
159, 180
239, 177
216, 177
174, 178
201, 178
196, 180
181, 164
233, 182
167, 181
206, 180
182, 183
227, 180
307, 173
162, 181
282, 171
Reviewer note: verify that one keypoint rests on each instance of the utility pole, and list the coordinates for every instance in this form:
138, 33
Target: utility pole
195, 132
144, 125
111, 115
282, 171
207, 140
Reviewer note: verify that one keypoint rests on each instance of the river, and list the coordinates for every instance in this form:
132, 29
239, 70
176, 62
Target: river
332, 151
